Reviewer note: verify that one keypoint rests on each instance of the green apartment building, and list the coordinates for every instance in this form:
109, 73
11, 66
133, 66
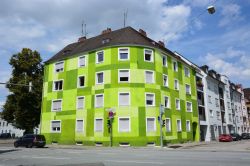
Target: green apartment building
127, 72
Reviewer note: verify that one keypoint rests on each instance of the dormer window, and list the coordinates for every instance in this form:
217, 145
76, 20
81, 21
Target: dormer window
104, 41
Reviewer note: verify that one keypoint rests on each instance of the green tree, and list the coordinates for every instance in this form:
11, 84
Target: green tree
23, 107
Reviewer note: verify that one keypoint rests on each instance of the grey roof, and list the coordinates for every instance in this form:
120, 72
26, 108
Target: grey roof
124, 36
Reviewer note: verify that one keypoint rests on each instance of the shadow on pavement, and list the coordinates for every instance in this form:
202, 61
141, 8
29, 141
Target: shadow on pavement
7, 151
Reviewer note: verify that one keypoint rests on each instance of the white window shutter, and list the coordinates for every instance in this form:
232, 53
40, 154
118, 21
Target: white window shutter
79, 125
150, 124
124, 124
98, 125
124, 99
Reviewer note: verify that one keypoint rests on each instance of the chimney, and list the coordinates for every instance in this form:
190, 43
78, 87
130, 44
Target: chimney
161, 43
81, 39
143, 32
108, 30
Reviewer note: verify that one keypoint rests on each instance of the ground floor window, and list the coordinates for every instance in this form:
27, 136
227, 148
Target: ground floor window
124, 125
98, 125
56, 126
151, 127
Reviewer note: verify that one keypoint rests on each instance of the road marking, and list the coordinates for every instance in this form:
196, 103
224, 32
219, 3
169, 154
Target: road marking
137, 162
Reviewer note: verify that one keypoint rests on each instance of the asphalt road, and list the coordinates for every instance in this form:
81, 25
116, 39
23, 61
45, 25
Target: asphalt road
121, 156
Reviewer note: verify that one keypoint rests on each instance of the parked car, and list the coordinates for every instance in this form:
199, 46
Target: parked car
235, 136
5, 136
245, 135
225, 138
30, 140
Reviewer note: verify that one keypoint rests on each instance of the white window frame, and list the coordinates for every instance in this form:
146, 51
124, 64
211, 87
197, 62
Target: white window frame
119, 75
79, 65
152, 55
78, 101
178, 86
96, 78
55, 67
102, 125
186, 68
119, 124
179, 105
102, 100
82, 126
146, 99
96, 57
177, 125
189, 92
188, 127
78, 81
55, 82
52, 110
147, 124
170, 127
187, 106
164, 75
174, 61
153, 76
166, 62
119, 51
119, 104
51, 126
168, 106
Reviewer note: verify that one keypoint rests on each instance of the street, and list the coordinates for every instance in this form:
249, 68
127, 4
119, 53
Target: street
211, 154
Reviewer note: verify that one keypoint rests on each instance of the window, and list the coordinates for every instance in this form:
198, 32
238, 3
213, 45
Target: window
98, 125
99, 78
217, 102
228, 105
80, 102
81, 81
59, 67
211, 113
124, 124
176, 84
148, 55
56, 126
166, 102
178, 125
79, 125
188, 89
189, 106
149, 77
150, 99
164, 60
100, 57
209, 99
56, 105
177, 104
123, 53
165, 80
175, 66
81, 61
187, 72
58, 85
151, 127
99, 100
218, 115
124, 99
168, 125
188, 126
123, 76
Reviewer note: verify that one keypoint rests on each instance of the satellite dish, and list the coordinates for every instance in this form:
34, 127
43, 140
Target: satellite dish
211, 9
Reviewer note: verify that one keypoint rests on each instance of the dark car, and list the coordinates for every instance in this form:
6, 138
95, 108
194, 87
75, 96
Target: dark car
30, 140
245, 135
5, 135
225, 138
235, 136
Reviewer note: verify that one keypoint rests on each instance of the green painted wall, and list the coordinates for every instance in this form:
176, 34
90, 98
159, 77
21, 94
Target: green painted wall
136, 111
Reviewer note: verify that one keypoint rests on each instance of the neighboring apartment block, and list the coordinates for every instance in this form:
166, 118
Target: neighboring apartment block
128, 72
6, 127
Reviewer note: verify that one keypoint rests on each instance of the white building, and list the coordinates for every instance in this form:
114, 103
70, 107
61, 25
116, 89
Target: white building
8, 128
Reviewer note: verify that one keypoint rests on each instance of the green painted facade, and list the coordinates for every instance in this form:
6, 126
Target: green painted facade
137, 111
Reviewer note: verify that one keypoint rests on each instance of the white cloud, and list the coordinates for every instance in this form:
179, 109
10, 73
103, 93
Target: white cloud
231, 13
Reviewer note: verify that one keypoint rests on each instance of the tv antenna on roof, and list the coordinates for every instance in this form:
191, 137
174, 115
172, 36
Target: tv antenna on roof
84, 29
125, 15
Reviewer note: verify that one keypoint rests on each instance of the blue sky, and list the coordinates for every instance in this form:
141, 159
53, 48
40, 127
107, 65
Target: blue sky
220, 40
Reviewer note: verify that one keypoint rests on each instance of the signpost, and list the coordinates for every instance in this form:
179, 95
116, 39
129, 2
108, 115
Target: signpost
161, 110
111, 114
